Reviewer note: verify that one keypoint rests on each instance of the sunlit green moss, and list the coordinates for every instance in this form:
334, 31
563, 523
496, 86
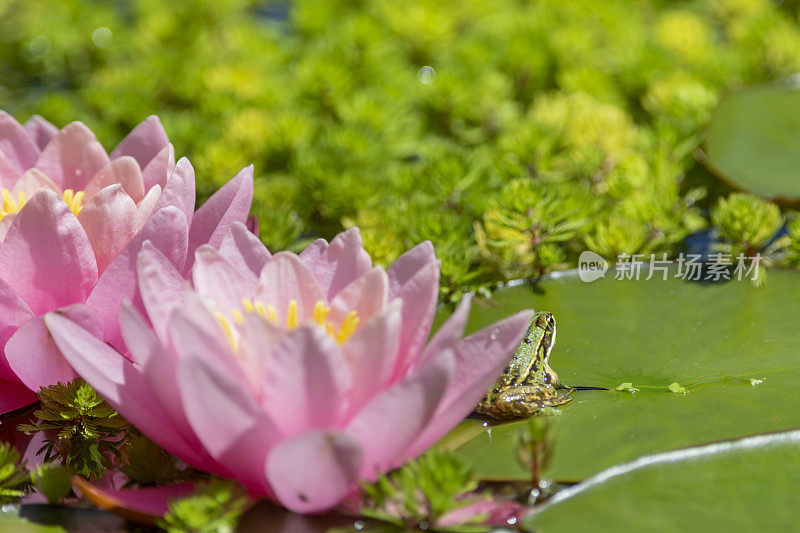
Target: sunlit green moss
747, 221
527, 110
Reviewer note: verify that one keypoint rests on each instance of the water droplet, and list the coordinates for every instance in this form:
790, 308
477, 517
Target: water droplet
489, 433
493, 334
40, 46
511, 520
426, 75
101, 37
485, 424
423, 525
359, 525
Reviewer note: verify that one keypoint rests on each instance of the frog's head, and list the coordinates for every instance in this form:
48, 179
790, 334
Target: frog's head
543, 328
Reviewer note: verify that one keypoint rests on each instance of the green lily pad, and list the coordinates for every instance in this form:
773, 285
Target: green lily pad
753, 141
744, 485
655, 333
733, 347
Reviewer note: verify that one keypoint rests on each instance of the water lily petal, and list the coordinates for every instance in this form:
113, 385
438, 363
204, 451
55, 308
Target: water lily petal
180, 191
13, 396
420, 295
158, 368
227, 419
118, 382
311, 253
125, 171
33, 355
46, 257
33, 181
341, 262
142, 504
13, 313
314, 471
193, 332
372, 354
161, 286
109, 219
159, 168
365, 295
143, 142
218, 281
244, 250
479, 360
407, 265
9, 173
413, 401
285, 278
450, 333
5, 225
40, 131
16, 146
228, 205
257, 340
147, 205
496, 512
73, 157
306, 382
168, 232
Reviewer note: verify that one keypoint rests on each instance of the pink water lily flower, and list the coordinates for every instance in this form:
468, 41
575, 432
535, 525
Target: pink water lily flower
296, 375
72, 221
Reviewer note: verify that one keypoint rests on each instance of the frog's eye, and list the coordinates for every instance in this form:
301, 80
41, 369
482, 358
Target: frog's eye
551, 321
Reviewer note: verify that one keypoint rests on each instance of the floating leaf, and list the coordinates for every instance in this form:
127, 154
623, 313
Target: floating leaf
711, 339
743, 485
753, 141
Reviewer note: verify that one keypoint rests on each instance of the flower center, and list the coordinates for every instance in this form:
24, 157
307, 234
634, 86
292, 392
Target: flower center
9, 205
319, 316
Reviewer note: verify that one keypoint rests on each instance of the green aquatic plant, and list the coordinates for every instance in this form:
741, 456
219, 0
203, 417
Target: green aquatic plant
81, 429
214, 507
420, 492
13, 475
53, 481
417, 123
747, 222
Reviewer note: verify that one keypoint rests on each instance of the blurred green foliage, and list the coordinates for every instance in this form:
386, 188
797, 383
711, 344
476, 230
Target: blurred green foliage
13, 474
420, 492
214, 507
541, 127
746, 221
53, 481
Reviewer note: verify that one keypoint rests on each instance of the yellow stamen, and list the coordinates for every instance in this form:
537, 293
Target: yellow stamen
273, 315
227, 328
291, 315
348, 327
320, 313
8, 202
319, 317
74, 200
8, 205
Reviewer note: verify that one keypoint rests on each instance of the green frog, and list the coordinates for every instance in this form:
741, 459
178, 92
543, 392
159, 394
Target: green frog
528, 384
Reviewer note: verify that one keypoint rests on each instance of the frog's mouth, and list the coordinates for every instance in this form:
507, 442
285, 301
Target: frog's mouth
561, 387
